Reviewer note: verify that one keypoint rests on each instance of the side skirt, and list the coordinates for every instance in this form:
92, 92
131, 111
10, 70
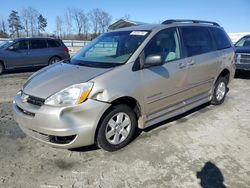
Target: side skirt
178, 109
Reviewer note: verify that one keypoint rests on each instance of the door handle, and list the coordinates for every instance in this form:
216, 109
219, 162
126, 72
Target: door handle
190, 63
182, 65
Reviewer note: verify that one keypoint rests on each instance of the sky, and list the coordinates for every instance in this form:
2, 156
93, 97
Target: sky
233, 15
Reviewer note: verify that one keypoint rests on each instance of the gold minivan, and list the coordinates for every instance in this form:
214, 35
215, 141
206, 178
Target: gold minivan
126, 79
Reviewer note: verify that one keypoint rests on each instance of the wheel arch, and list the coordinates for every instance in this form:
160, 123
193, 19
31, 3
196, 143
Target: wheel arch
58, 56
2, 62
127, 100
224, 73
131, 102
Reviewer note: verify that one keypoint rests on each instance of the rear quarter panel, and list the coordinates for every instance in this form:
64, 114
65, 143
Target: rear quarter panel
227, 62
59, 52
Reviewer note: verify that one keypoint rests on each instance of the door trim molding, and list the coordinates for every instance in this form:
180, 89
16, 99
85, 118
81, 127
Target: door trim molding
180, 91
177, 109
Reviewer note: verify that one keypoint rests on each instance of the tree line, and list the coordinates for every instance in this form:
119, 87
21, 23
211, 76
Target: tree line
75, 23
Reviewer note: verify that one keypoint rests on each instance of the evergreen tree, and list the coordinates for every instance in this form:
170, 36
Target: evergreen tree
14, 23
42, 23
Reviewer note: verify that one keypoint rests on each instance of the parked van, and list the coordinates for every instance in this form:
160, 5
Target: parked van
126, 79
31, 52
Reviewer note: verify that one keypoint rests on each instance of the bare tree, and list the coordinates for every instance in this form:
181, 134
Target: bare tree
94, 17
104, 20
68, 21
81, 20
126, 17
33, 20
29, 18
25, 20
3, 25
100, 20
59, 26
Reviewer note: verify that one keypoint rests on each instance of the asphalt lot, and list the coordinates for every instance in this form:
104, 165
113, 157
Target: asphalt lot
208, 146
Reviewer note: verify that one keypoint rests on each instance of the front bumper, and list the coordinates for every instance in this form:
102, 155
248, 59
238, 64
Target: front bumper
63, 127
241, 66
242, 61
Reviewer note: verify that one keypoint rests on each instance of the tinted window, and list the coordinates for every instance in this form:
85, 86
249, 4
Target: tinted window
245, 41
220, 38
37, 44
164, 43
21, 45
6, 43
53, 43
197, 40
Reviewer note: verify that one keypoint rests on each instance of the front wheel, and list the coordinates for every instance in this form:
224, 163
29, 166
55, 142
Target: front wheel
220, 91
117, 128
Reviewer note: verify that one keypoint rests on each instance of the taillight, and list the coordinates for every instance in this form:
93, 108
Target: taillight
66, 49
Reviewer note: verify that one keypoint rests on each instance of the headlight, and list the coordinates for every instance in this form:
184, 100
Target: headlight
75, 94
238, 57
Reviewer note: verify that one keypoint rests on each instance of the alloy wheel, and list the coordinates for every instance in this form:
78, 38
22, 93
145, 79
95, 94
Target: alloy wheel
221, 91
118, 128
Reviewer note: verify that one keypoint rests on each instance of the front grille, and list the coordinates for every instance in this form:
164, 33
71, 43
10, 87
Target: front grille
35, 100
243, 58
50, 138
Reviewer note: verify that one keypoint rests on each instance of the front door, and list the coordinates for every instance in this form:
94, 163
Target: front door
164, 86
17, 55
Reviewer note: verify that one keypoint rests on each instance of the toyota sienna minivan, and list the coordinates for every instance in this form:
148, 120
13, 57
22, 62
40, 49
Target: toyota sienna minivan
126, 79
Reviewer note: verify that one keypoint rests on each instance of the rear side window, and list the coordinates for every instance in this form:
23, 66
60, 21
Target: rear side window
38, 44
53, 43
221, 40
197, 40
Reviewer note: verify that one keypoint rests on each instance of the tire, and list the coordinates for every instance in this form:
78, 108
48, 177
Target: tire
54, 60
220, 91
117, 128
1, 68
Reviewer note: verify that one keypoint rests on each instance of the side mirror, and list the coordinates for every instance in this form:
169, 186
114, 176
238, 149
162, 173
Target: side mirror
11, 48
153, 60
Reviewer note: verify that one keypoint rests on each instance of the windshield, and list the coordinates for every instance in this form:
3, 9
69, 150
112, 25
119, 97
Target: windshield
6, 43
110, 49
245, 41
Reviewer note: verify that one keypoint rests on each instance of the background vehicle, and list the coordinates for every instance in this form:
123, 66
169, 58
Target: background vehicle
31, 52
242, 49
130, 78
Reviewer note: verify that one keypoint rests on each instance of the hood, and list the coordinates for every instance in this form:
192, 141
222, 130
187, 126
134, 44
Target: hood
242, 49
52, 79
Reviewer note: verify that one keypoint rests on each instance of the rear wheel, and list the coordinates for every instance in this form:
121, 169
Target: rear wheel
54, 60
117, 128
1, 68
220, 91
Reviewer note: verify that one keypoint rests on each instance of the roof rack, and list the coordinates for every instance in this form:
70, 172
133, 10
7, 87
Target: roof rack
189, 21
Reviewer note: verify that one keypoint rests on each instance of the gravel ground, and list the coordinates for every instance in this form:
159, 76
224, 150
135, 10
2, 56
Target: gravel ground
208, 147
